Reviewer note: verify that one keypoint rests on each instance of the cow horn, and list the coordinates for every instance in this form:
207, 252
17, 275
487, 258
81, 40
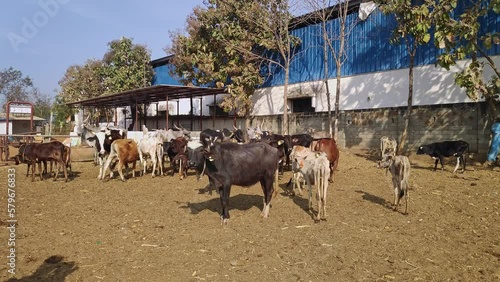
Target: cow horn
235, 127
86, 119
176, 126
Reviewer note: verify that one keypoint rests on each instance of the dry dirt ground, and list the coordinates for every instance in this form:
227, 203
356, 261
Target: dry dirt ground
165, 229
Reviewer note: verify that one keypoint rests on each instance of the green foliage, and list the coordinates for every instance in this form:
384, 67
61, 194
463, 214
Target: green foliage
459, 36
61, 110
14, 86
126, 66
83, 82
413, 21
207, 55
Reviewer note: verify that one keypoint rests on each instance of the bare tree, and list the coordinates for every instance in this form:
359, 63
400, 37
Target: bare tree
335, 43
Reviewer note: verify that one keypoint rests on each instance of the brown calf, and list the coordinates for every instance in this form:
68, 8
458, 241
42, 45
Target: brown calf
328, 146
125, 150
43, 152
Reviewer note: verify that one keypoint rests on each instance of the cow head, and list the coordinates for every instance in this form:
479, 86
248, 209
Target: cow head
386, 161
185, 133
424, 149
238, 135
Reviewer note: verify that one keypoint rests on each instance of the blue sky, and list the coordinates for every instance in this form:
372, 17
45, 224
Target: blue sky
42, 38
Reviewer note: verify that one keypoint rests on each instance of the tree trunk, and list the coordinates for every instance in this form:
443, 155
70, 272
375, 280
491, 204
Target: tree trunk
285, 102
325, 64
337, 105
402, 142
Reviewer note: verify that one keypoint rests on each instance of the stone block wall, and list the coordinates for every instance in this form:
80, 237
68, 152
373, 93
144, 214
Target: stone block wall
363, 128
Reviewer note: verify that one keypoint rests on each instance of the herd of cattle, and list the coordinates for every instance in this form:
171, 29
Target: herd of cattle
228, 157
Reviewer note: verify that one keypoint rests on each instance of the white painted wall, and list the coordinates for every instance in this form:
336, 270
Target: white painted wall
432, 85
3, 127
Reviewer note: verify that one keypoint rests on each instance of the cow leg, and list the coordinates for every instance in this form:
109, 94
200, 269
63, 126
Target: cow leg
268, 189
65, 170
28, 170
101, 169
33, 165
133, 169
405, 189
463, 161
317, 182
435, 163
154, 161
395, 184
441, 161
309, 186
224, 199
458, 164
120, 170
40, 170
181, 176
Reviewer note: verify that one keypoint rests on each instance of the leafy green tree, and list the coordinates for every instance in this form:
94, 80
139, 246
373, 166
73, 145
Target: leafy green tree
84, 82
14, 86
126, 66
460, 36
413, 23
206, 55
60, 110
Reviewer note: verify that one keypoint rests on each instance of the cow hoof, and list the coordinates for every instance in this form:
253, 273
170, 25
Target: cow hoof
224, 221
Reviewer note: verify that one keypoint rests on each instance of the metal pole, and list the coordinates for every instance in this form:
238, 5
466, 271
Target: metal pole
50, 122
136, 116
166, 113
178, 123
201, 114
215, 110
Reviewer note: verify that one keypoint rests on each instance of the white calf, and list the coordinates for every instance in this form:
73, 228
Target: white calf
148, 147
315, 168
399, 166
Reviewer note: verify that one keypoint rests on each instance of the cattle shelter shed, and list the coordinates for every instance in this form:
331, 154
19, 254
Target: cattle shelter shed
146, 95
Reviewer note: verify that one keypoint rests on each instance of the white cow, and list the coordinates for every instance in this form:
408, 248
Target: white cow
315, 169
399, 166
151, 145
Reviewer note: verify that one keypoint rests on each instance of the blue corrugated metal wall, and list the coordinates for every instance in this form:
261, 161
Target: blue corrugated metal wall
162, 76
368, 50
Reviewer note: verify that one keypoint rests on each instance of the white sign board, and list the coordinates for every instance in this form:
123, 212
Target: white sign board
20, 109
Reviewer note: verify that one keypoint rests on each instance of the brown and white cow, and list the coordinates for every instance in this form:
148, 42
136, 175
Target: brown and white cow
126, 151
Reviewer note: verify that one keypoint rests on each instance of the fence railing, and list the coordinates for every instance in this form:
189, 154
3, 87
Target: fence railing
15, 140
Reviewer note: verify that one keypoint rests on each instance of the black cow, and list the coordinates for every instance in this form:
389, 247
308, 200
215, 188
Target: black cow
290, 141
445, 149
226, 164
209, 136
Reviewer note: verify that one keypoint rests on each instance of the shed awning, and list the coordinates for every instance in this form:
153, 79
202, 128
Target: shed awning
152, 94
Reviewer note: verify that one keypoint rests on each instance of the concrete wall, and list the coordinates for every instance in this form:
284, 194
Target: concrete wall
364, 128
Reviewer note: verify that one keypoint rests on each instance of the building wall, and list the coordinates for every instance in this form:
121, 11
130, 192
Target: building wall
432, 86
